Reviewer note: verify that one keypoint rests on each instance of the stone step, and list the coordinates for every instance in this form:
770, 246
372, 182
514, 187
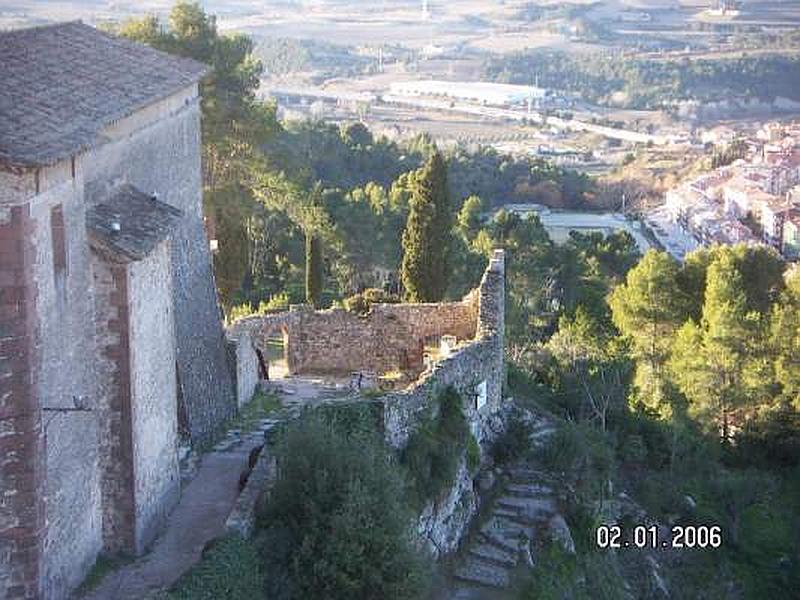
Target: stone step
541, 437
505, 513
494, 554
522, 471
528, 490
530, 510
512, 503
525, 475
538, 510
510, 528
500, 540
543, 424
478, 571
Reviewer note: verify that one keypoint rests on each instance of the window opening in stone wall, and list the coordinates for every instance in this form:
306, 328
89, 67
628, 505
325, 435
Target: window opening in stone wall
274, 356
481, 395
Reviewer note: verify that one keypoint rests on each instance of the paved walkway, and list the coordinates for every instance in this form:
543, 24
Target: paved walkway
199, 517
207, 500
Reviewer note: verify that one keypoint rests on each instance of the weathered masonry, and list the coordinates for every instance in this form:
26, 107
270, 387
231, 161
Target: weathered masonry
110, 339
392, 338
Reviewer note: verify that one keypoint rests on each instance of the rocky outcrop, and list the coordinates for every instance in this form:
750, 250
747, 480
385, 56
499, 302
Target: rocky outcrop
442, 524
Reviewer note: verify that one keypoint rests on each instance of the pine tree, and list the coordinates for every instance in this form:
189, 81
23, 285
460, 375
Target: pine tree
426, 239
648, 309
716, 364
314, 270
785, 339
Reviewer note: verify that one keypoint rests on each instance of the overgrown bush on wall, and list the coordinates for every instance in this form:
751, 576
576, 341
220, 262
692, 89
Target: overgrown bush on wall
337, 525
434, 451
362, 303
513, 443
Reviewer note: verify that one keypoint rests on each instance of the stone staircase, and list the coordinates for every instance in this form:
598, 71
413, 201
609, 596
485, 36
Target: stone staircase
520, 515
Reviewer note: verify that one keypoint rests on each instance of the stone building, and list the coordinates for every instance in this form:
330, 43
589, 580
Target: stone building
110, 337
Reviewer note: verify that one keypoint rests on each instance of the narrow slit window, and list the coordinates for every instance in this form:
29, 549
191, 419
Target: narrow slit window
59, 240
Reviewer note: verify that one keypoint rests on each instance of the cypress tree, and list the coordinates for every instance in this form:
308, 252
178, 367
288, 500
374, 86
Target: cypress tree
426, 239
314, 270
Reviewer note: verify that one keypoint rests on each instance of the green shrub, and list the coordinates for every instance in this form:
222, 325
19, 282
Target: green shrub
553, 577
361, 303
337, 525
512, 443
357, 304
433, 452
378, 296
276, 303
473, 454
558, 575
240, 311
771, 439
353, 419
583, 458
230, 569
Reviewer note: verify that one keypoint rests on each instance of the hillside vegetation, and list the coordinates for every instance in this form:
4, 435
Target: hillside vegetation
646, 83
677, 384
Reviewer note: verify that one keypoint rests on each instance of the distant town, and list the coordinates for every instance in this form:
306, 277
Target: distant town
755, 199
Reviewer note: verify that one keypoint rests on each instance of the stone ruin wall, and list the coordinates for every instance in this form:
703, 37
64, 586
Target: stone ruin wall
336, 341
481, 360
478, 319
443, 523
243, 363
339, 341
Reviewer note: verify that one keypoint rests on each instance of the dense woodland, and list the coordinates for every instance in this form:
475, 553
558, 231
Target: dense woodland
677, 383
646, 83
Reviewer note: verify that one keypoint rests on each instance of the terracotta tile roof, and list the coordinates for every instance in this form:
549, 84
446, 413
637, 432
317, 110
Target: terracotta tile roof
130, 224
61, 84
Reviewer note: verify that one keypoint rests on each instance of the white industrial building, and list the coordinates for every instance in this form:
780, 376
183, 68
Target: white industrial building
495, 94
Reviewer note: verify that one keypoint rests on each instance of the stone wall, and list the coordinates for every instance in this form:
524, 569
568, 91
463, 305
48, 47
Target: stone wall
339, 341
476, 369
67, 375
336, 341
154, 422
481, 360
113, 403
432, 320
444, 522
57, 463
158, 150
244, 365
22, 468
